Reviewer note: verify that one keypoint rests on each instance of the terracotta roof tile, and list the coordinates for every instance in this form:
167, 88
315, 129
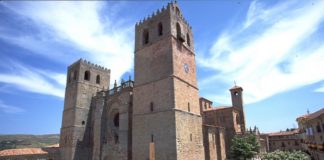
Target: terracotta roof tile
284, 133
312, 115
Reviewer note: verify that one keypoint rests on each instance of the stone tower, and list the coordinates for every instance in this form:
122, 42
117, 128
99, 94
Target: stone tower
166, 102
237, 101
84, 79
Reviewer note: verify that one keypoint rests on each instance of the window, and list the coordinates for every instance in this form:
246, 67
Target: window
160, 29
116, 138
179, 35
188, 39
98, 79
205, 105
87, 75
152, 138
151, 106
145, 36
190, 137
236, 93
83, 122
74, 75
188, 107
116, 120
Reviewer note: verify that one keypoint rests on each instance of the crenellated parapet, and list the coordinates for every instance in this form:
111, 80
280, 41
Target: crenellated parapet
92, 65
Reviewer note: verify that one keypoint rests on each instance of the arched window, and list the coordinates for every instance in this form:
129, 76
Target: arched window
87, 75
98, 79
116, 120
146, 36
188, 39
160, 29
179, 33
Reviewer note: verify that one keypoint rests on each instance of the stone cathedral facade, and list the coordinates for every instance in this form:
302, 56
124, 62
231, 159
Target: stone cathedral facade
159, 115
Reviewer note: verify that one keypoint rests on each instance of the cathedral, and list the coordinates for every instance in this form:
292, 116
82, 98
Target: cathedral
158, 115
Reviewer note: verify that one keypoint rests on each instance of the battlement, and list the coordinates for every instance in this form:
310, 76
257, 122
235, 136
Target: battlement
171, 7
90, 64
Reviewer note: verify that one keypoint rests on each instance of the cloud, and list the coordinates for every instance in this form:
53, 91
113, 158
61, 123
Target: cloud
84, 26
34, 80
321, 89
10, 109
273, 51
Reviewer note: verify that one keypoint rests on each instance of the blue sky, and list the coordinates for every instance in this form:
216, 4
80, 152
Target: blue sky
273, 49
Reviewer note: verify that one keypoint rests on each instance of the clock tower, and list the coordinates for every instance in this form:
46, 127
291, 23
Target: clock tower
166, 102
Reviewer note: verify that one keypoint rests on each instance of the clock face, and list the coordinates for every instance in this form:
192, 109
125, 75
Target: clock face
186, 67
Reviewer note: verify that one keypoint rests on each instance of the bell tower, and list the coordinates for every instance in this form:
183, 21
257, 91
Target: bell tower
166, 102
84, 79
237, 101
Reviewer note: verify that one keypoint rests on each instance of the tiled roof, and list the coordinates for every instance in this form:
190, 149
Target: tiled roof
27, 151
218, 108
284, 133
312, 115
23, 151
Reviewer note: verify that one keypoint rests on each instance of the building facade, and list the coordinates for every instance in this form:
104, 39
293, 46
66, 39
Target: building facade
159, 115
311, 128
284, 141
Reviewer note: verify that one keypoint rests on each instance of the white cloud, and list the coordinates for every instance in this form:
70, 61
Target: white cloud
321, 89
10, 109
266, 54
81, 25
34, 80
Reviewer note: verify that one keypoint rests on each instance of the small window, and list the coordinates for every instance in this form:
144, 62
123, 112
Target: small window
116, 138
152, 138
160, 29
74, 75
188, 107
87, 75
98, 79
83, 122
151, 106
188, 39
116, 120
236, 93
146, 36
190, 137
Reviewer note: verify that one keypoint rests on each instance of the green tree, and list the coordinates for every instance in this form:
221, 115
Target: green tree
245, 147
284, 155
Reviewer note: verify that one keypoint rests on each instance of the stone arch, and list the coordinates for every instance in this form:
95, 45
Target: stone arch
98, 79
87, 75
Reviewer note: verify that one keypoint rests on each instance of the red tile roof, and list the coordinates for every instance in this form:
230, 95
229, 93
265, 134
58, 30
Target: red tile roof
284, 133
27, 151
312, 115
218, 108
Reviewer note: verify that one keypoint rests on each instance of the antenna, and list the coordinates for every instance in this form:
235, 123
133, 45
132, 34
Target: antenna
234, 83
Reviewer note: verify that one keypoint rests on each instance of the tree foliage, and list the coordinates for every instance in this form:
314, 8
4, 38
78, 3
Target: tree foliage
284, 155
245, 147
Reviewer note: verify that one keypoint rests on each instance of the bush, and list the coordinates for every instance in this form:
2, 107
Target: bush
284, 155
245, 147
